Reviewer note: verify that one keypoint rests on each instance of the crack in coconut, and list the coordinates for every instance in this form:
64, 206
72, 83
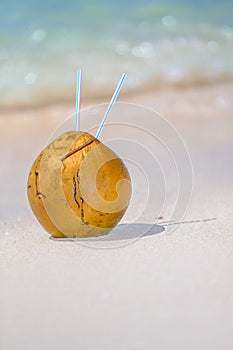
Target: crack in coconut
89, 142
38, 194
78, 149
82, 201
75, 192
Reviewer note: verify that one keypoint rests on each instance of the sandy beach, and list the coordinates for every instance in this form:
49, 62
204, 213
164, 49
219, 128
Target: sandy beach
164, 290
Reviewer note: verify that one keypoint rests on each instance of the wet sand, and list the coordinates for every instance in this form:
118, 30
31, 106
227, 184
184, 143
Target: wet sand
165, 290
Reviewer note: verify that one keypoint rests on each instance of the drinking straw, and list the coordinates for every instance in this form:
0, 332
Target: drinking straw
78, 97
114, 97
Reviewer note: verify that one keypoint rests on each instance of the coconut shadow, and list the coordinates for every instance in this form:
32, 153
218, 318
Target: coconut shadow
120, 232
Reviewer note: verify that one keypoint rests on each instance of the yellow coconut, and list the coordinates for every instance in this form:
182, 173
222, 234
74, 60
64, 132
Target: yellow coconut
78, 187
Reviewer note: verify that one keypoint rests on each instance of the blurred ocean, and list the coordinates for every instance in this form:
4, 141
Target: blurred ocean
158, 43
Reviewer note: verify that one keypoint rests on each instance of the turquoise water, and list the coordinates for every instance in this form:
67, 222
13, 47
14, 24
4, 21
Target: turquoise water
158, 43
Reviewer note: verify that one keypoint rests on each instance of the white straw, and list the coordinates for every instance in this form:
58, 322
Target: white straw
114, 97
78, 97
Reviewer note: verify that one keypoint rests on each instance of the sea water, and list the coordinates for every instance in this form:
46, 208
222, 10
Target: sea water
158, 44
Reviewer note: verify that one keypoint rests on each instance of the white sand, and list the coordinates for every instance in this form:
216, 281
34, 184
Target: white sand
163, 291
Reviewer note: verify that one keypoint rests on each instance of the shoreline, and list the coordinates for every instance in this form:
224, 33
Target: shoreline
124, 97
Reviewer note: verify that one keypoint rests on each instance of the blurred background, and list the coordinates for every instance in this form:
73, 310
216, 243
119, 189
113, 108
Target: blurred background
158, 43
